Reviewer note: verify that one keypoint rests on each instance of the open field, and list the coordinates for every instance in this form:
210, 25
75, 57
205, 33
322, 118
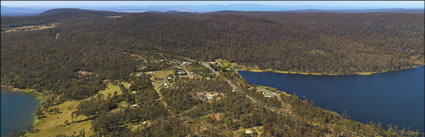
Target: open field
111, 88
31, 28
113, 17
56, 124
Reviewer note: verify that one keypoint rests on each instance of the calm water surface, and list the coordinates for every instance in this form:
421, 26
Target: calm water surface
17, 111
392, 97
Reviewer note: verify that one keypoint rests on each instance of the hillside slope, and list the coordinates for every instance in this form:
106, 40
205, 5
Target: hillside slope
341, 43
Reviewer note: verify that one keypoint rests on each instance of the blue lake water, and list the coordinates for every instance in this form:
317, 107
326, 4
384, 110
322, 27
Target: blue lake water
392, 97
17, 111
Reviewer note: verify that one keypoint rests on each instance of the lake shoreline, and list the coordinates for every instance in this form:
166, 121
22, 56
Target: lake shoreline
10, 88
33, 92
320, 74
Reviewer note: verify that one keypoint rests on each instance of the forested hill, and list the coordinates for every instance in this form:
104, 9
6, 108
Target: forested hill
55, 15
307, 42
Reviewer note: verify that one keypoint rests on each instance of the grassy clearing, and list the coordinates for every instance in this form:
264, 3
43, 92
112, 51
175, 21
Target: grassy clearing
113, 17
31, 28
54, 124
163, 73
111, 88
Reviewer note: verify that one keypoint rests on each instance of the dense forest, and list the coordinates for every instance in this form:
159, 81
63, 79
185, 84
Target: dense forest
87, 51
306, 42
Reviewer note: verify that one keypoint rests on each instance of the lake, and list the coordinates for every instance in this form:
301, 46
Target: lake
393, 97
17, 111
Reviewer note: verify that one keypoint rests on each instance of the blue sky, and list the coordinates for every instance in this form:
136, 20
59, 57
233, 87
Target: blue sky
347, 4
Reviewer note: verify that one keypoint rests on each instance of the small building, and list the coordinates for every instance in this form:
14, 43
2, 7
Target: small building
133, 92
145, 122
164, 84
139, 74
83, 73
180, 72
135, 105
210, 97
267, 93
171, 78
185, 63
248, 131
